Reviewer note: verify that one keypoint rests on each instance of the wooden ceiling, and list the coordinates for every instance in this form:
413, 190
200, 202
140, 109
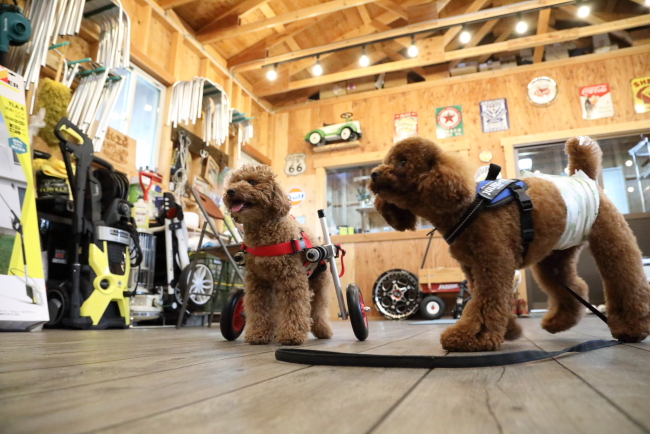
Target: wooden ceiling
253, 35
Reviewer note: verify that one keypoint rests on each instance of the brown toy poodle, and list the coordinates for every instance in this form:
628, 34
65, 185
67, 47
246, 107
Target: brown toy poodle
418, 179
280, 302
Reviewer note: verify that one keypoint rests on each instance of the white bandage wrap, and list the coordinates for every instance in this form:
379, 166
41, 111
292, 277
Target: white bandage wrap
581, 197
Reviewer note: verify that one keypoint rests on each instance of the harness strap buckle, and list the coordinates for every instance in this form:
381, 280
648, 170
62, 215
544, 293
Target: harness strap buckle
527, 235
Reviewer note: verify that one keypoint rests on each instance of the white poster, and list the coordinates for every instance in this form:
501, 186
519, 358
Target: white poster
596, 101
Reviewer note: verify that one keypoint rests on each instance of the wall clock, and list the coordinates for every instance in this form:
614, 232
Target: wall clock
542, 90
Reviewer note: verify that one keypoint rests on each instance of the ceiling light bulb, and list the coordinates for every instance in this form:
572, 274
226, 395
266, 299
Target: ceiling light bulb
647, 2
363, 60
630, 189
628, 163
272, 74
317, 70
413, 50
583, 11
465, 37
521, 27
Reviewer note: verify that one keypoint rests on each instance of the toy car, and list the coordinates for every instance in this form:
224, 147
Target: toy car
347, 131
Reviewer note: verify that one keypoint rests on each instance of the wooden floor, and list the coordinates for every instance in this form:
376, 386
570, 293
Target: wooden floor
192, 381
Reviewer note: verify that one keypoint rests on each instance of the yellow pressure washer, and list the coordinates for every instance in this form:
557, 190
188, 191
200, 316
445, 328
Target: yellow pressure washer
100, 247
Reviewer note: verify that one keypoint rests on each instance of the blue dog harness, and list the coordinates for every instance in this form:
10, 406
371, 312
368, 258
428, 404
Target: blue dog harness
493, 193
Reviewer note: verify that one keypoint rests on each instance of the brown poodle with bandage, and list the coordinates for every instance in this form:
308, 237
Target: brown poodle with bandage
280, 302
418, 179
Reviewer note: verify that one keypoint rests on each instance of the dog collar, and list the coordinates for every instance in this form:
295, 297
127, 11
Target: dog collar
293, 246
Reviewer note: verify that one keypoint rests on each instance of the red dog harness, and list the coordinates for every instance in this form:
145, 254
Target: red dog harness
288, 248
293, 246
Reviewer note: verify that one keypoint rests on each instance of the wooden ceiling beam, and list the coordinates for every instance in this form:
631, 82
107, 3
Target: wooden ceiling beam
233, 14
441, 23
429, 58
502, 37
170, 4
542, 27
476, 6
211, 35
476, 39
572, 11
393, 7
363, 13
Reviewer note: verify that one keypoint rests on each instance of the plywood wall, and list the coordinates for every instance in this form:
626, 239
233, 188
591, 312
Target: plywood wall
375, 112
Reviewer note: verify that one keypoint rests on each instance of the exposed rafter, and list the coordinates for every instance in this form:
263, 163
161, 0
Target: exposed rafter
213, 35
393, 7
170, 4
429, 58
476, 39
476, 6
572, 11
502, 37
233, 15
542, 27
442, 23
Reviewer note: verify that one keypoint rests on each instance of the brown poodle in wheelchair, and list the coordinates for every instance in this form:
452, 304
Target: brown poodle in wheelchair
280, 302
418, 179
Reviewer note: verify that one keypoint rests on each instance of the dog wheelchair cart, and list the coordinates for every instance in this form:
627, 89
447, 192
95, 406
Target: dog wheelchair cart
233, 318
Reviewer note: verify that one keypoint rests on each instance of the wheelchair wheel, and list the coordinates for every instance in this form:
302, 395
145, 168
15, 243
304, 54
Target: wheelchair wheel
357, 310
200, 286
233, 320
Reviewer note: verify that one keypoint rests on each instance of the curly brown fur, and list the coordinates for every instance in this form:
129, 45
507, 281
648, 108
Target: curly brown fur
418, 179
280, 302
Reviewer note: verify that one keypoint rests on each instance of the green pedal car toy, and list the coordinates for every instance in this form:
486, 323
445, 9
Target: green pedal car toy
347, 131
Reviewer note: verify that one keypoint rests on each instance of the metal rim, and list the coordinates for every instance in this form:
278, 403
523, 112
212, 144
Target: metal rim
200, 287
396, 294
238, 319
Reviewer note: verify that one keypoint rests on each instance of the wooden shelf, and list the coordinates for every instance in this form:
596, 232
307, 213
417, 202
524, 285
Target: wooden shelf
336, 147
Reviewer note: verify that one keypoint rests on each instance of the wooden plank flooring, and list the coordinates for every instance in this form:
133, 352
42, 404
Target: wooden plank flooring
192, 381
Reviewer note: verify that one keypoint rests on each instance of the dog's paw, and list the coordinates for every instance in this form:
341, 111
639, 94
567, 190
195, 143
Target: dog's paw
322, 330
292, 340
255, 338
628, 330
460, 339
513, 330
560, 320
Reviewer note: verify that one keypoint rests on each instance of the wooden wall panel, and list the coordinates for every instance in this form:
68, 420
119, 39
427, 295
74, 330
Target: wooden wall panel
191, 63
160, 42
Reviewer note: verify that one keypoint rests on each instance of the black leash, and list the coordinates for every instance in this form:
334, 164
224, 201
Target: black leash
329, 358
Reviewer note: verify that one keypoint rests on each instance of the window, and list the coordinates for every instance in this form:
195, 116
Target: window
138, 114
350, 202
619, 177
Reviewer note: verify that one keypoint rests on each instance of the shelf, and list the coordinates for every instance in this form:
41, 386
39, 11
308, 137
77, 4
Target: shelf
336, 147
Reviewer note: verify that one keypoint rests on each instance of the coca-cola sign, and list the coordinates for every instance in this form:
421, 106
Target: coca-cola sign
596, 101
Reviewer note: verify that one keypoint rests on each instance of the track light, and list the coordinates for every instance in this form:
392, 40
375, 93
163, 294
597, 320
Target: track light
272, 74
363, 60
584, 9
464, 36
413, 50
647, 2
317, 70
521, 25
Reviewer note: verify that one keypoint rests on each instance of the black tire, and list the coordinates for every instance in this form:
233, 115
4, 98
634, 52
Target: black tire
396, 294
432, 307
354, 136
58, 303
233, 320
357, 311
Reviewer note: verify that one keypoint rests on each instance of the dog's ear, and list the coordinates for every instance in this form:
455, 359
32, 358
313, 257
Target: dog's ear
399, 218
281, 202
446, 183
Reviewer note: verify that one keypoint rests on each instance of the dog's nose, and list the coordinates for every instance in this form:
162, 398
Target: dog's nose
231, 192
374, 175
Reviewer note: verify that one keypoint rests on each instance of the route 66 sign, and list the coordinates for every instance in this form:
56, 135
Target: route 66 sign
295, 164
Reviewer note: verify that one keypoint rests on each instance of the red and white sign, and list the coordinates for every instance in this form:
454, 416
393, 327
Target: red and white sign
596, 101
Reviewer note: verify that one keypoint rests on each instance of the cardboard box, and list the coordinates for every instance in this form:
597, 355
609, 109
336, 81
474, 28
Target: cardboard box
23, 303
331, 90
490, 66
464, 68
394, 79
361, 84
